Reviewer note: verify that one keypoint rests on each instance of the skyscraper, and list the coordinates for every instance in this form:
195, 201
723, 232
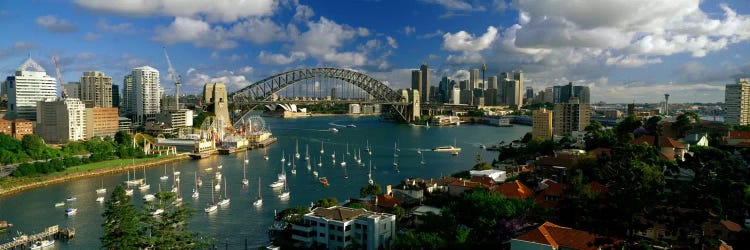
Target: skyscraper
147, 92
128, 97
474, 78
29, 85
444, 89
492, 82
115, 96
518, 77
96, 87
737, 102
571, 116
416, 80
425, 91
542, 124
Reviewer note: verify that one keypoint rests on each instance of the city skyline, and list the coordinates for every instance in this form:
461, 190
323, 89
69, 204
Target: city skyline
626, 52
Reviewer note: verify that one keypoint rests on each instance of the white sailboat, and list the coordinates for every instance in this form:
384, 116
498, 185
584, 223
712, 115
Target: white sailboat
225, 201
296, 149
100, 199
281, 179
307, 153
164, 177
246, 160
321, 148
211, 206
315, 172
258, 200
367, 146
128, 189
395, 150
308, 165
175, 173
218, 184
265, 154
178, 195
347, 149
284, 195
359, 157
355, 155
294, 167
395, 158
333, 157
421, 161
245, 182
343, 161
320, 160
290, 160
369, 174
195, 189
149, 197
101, 190
144, 185
282, 157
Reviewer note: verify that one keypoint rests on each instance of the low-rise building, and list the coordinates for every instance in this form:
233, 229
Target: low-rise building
553, 237
61, 121
22, 127
124, 124
6, 127
101, 122
338, 227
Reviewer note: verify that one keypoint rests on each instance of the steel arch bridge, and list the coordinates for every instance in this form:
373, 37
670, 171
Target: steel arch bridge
262, 92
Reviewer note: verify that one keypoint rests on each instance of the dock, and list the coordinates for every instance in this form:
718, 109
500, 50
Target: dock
264, 143
23, 241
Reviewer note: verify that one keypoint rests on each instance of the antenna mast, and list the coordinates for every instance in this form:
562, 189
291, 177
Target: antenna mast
175, 78
59, 78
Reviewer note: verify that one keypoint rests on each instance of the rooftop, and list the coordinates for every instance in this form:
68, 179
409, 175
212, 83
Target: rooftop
561, 237
514, 189
342, 214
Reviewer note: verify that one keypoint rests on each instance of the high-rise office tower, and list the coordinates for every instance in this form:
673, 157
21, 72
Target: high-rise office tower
549, 95
474, 78
444, 89
492, 82
96, 88
115, 95
455, 96
128, 97
582, 93
416, 80
571, 116
518, 77
425, 91
737, 102
73, 89
147, 92
29, 85
542, 124
529, 93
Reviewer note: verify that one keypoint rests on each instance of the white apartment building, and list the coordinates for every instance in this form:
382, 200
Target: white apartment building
338, 227
61, 120
147, 92
737, 102
29, 85
456, 96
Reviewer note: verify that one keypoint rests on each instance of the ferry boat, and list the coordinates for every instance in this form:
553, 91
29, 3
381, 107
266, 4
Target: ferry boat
324, 181
446, 149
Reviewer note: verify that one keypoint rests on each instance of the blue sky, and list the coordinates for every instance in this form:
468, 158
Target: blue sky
626, 50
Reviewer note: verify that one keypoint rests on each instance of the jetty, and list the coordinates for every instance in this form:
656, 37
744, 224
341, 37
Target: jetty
23, 241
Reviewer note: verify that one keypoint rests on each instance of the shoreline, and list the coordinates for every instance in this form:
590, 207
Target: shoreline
55, 179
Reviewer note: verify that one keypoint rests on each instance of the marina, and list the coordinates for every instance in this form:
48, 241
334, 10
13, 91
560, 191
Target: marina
243, 220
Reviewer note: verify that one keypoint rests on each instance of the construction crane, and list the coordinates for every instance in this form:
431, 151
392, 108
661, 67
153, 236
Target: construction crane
175, 78
59, 78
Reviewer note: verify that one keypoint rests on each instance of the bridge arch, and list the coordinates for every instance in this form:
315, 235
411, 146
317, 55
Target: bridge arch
247, 98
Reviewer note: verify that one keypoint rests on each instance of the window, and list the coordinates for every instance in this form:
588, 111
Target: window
331, 226
348, 238
348, 227
340, 228
331, 237
322, 235
339, 239
314, 223
357, 226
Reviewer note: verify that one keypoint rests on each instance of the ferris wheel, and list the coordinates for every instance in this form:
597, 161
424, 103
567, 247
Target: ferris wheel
255, 124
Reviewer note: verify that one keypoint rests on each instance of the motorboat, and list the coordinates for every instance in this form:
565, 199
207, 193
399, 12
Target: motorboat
324, 181
129, 191
71, 198
446, 149
60, 204
71, 211
276, 184
149, 197
100, 199
43, 244
333, 130
351, 126
157, 212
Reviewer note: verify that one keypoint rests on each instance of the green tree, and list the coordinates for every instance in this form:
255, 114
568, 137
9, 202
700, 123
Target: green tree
527, 137
123, 138
652, 125
327, 202
399, 212
368, 190
482, 166
120, 222
598, 136
292, 215
169, 229
624, 129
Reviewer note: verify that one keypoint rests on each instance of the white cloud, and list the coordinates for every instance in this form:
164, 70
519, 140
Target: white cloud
196, 31
323, 39
265, 57
245, 70
463, 41
431, 35
53, 24
455, 5
216, 10
408, 30
195, 79
258, 30
117, 28
631, 61
392, 42
466, 57
303, 12
90, 36
363, 31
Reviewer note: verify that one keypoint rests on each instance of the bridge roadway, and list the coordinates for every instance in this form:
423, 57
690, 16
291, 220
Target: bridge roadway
309, 101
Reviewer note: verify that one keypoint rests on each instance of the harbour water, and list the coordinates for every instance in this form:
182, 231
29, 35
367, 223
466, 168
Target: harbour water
31, 211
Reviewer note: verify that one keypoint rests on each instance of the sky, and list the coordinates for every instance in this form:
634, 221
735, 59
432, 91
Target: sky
625, 50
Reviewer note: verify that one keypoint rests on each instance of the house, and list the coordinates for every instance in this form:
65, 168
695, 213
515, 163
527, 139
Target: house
722, 229
513, 189
458, 187
550, 194
410, 197
554, 237
670, 148
338, 227
495, 175
738, 138
555, 167
422, 211
697, 139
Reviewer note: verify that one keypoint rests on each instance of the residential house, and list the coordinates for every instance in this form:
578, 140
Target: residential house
697, 139
738, 138
550, 193
670, 148
410, 197
495, 175
554, 237
422, 211
514, 189
458, 187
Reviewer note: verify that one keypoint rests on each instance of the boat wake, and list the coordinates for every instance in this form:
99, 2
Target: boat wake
337, 125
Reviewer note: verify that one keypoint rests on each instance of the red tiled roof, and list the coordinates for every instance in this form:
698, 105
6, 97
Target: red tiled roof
731, 226
485, 180
667, 156
465, 183
664, 142
385, 200
514, 189
554, 189
560, 237
739, 135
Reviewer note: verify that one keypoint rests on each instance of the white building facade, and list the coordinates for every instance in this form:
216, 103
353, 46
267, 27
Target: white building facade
147, 92
339, 227
29, 85
61, 120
